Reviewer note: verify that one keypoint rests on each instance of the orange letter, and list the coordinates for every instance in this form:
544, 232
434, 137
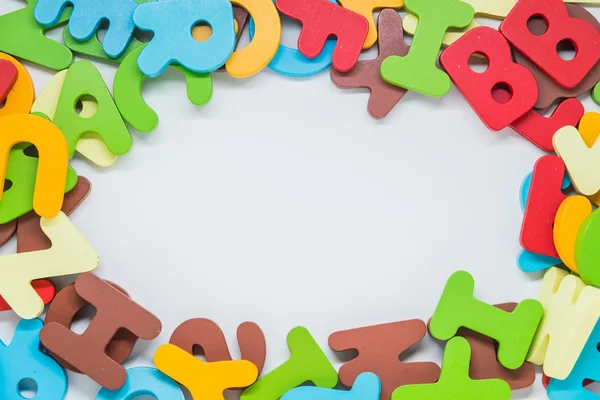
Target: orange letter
51, 175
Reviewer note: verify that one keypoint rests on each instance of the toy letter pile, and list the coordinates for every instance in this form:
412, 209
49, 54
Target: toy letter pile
489, 349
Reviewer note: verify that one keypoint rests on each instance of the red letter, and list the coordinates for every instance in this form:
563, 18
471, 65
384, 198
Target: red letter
560, 27
502, 72
544, 198
539, 130
321, 19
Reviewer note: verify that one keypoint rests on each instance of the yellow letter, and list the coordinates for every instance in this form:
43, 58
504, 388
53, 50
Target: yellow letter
571, 310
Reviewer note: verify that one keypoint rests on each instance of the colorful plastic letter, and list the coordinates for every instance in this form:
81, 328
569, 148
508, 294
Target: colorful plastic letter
21, 171
127, 89
539, 130
585, 368
90, 145
70, 254
528, 261
290, 62
171, 21
20, 98
454, 382
383, 96
32, 44
567, 223
513, 331
366, 387
478, 87
264, 44
484, 364
571, 310
379, 348
417, 70
83, 80
596, 93
53, 162
366, 9
541, 49
23, 359
582, 162
87, 352
544, 199
64, 309
93, 46
321, 19
587, 250
307, 363
209, 336
144, 381
87, 16
548, 89
204, 380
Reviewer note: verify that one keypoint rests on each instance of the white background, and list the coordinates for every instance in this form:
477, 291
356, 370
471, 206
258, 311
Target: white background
282, 202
